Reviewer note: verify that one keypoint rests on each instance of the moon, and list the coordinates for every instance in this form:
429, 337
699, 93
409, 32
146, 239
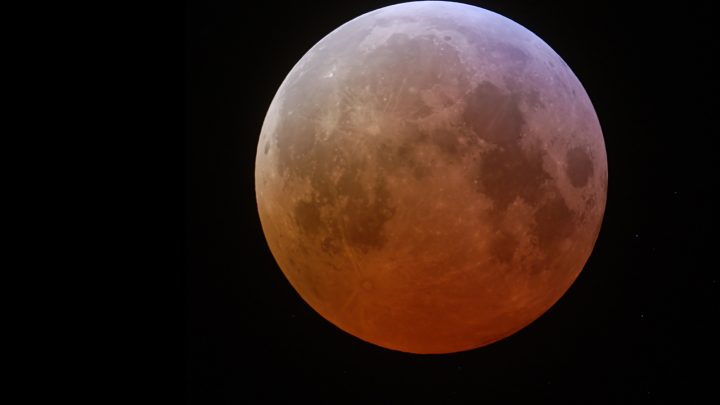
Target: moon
431, 177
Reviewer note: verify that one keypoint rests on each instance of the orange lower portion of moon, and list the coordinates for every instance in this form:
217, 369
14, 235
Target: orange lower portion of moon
431, 177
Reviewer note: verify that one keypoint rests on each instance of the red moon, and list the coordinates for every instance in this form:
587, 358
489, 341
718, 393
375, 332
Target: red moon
431, 177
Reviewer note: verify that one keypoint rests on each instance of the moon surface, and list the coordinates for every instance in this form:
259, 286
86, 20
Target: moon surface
431, 177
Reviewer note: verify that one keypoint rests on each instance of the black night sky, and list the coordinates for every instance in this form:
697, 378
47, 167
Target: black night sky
639, 324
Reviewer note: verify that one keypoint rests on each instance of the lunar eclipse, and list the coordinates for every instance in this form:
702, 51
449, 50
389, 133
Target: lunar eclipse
431, 177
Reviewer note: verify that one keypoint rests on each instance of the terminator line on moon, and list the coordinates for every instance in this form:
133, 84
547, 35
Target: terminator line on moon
431, 177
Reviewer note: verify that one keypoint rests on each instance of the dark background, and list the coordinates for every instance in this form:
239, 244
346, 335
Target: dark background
638, 325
